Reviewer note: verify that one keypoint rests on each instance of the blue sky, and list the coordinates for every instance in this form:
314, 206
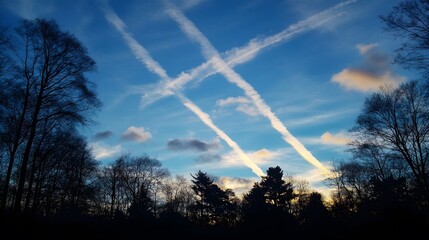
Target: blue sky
228, 87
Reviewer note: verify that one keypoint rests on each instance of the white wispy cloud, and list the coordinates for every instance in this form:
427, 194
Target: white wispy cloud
240, 55
339, 138
244, 105
102, 151
240, 186
364, 48
142, 54
210, 53
138, 134
374, 73
318, 118
30, 9
187, 4
262, 157
231, 100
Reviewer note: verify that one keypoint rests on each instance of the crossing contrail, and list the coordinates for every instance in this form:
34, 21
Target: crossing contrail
144, 57
239, 55
212, 55
207, 120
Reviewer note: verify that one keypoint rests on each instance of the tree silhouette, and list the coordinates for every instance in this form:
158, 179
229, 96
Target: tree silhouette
278, 193
111, 187
409, 21
213, 205
142, 206
395, 124
254, 205
351, 182
178, 196
314, 211
268, 203
52, 92
128, 181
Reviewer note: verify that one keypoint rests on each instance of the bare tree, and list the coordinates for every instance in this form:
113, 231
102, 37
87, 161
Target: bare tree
130, 181
302, 192
409, 21
50, 67
111, 186
143, 174
178, 196
351, 182
394, 124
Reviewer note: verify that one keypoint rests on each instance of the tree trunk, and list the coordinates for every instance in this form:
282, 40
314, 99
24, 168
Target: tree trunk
15, 146
23, 171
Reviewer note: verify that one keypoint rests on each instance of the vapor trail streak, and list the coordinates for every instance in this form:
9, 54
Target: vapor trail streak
211, 54
142, 54
207, 120
242, 54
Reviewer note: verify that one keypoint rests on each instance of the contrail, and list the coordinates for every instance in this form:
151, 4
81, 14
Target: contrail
239, 55
207, 120
211, 54
142, 55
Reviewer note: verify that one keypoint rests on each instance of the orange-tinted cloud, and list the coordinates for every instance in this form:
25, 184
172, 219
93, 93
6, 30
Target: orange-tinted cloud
335, 139
374, 72
361, 80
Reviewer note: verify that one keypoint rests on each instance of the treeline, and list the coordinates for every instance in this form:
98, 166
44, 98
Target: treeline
51, 185
135, 196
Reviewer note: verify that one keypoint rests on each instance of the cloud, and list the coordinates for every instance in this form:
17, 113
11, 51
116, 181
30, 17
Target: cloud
208, 158
262, 157
179, 144
101, 151
364, 48
317, 181
211, 54
138, 134
244, 105
102, 135
374, 73
360, 80
318, 118
240, 186
336, 139
30, 9
187, 4
231, 100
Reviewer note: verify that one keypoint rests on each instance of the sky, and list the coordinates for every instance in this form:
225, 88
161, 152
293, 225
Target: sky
228, 87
